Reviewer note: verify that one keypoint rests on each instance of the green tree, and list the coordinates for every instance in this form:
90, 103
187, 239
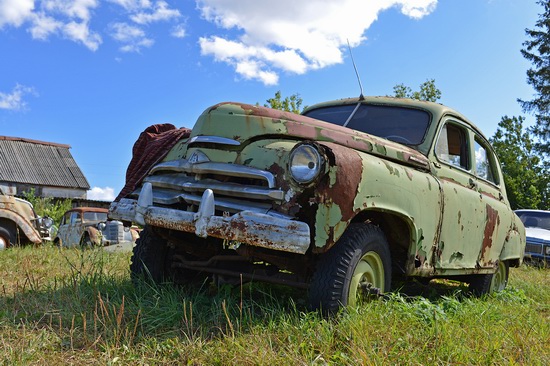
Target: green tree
525, 175
289, 104
47, 206
537, 51
428, 91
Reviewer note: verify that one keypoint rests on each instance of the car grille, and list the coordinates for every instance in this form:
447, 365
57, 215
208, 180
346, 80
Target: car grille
533, 248
114, 231
236, 187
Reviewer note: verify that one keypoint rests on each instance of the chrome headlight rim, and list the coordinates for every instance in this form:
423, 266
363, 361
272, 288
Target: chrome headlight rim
300, 172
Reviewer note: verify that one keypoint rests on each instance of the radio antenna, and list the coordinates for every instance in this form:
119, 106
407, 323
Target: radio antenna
361, 97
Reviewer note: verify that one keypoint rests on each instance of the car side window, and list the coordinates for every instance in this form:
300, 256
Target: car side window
484, 163
452, 146
75, 218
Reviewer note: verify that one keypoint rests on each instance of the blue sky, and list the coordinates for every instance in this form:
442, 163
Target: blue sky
94, 74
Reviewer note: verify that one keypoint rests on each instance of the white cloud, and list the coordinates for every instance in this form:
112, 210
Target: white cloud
79, 9
293, 36
14, 100
161, 12
43, 26
101, 194
132, 5
80, 32
133, 38
73, 19
179, 31
15, 12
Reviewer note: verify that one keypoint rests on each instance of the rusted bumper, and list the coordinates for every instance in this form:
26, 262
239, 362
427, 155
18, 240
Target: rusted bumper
245, 227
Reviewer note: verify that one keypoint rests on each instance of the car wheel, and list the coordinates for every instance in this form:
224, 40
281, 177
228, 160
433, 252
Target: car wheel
357, 268
4, 239
487, 283
86, 242
149, 257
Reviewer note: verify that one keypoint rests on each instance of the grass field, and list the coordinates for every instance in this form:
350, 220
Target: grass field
80, 307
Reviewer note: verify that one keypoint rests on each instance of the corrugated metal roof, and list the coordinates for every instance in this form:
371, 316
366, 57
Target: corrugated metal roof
38, 162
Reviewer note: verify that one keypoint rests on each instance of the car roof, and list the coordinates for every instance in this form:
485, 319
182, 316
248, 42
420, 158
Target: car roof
436, 110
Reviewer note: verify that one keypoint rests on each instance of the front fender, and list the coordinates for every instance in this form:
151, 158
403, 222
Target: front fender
95, 235
22, 224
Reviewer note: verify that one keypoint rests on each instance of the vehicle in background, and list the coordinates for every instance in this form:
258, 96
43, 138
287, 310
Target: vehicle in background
537, 229
89, 227
19, 223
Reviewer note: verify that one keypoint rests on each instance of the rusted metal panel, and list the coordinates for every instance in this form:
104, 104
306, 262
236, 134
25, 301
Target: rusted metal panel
22, 224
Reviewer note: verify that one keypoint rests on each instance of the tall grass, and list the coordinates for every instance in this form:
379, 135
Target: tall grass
80, 307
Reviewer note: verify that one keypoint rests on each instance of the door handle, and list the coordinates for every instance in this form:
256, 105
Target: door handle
473, 183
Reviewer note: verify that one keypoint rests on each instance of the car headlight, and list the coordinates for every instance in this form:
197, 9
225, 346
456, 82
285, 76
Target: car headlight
305, 163
547, 250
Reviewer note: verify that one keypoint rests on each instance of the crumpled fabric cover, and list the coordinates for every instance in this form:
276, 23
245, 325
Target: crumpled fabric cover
152, 146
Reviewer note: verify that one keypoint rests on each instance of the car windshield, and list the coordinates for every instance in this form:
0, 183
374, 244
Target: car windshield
95, 216
404, 125
535, 219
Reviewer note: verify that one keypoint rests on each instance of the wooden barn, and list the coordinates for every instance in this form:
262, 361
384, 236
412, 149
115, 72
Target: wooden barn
47, 167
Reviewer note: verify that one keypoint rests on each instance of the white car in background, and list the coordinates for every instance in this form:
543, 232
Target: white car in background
537, 230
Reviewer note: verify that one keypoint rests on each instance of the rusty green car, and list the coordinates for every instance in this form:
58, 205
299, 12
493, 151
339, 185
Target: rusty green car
338, 200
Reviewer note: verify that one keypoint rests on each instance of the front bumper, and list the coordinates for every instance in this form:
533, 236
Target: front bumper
247, 227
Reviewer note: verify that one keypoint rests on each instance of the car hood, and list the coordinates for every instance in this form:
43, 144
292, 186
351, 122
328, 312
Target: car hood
245, 122
537, 233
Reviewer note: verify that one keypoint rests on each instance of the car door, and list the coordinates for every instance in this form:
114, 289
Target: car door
75, 229
498, 213
62, 231
463, 214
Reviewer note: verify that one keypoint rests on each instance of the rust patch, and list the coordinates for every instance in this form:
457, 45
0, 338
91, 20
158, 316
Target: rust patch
348, 178
493, 220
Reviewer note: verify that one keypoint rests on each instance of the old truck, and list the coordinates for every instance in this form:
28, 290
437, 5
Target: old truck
337, 200
19, 223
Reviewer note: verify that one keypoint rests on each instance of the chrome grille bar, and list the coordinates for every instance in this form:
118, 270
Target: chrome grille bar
231, 170
182, 182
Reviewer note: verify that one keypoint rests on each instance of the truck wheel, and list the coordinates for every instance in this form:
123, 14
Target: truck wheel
356, 268
149, 257
5, 239
487, 283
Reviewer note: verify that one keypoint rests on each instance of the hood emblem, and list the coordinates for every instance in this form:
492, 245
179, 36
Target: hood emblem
198, 157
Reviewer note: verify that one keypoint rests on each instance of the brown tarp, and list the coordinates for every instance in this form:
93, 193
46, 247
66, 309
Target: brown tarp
152, 146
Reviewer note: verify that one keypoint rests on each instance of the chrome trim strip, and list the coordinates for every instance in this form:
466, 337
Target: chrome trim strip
214, 140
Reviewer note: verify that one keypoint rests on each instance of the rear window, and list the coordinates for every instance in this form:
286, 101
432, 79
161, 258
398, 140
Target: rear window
404, 125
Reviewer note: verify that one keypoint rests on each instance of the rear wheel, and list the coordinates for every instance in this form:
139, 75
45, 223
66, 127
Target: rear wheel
487, 283
357, 268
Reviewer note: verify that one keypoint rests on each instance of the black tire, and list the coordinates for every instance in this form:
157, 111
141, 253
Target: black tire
86, 242
6, 240
358, 265
149, 257
487, 283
